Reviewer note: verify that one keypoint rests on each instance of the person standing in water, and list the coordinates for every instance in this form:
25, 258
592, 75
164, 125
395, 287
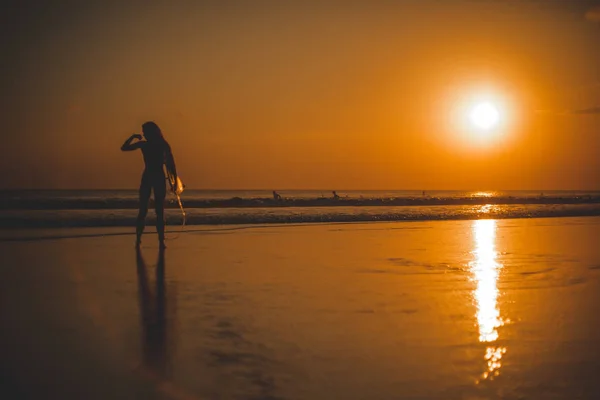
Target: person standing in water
156, 152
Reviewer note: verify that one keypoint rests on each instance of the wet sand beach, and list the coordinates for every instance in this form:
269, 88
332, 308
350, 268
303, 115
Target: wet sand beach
479, 309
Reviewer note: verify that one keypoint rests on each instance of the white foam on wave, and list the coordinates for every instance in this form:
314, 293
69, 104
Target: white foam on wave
227, 216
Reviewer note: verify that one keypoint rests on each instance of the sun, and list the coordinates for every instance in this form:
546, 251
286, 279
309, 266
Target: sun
484, 116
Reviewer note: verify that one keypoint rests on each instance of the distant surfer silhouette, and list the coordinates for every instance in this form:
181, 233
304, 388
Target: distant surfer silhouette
335, 195
156, 152
276, 196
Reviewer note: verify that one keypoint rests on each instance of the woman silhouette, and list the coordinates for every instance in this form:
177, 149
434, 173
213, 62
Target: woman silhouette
156, 152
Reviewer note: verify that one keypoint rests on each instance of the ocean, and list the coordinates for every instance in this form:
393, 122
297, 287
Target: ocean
96, 208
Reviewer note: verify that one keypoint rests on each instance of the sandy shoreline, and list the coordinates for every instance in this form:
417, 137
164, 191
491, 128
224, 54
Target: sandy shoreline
440, 309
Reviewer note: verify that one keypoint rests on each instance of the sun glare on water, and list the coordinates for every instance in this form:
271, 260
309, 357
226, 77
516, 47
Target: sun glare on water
486, 270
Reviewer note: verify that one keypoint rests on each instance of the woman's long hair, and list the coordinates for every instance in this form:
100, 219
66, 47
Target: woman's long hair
153, 133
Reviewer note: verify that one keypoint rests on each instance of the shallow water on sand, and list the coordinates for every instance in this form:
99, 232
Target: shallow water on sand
439, 309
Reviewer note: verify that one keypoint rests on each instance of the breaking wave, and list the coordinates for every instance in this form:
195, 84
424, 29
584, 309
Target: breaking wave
131, 202
314, 214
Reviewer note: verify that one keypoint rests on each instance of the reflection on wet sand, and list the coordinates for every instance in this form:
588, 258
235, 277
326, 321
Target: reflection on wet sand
485, 270
153, 313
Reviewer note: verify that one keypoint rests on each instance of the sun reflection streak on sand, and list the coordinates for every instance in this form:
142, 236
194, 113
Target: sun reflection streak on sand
485, 270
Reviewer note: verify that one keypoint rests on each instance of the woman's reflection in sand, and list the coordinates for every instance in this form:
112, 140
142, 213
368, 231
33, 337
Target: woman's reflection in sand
485, 270
154, 318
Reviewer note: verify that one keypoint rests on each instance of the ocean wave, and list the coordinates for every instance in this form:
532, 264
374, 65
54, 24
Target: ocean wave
266, 215
99, 203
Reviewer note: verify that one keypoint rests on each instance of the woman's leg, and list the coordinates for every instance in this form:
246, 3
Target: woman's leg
141, 218
160, 192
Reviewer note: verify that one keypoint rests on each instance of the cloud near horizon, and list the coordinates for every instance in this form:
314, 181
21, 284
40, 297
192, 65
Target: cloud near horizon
593, 14
582, 111
590, 110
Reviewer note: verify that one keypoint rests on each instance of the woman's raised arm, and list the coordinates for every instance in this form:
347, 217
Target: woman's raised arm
128, 146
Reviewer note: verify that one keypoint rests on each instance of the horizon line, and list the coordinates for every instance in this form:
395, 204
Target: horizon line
318, 190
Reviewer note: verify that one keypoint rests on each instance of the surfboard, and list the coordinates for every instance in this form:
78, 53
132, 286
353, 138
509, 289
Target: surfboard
177, 186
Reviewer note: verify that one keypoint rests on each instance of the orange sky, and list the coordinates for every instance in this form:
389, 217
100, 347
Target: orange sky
291, 95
